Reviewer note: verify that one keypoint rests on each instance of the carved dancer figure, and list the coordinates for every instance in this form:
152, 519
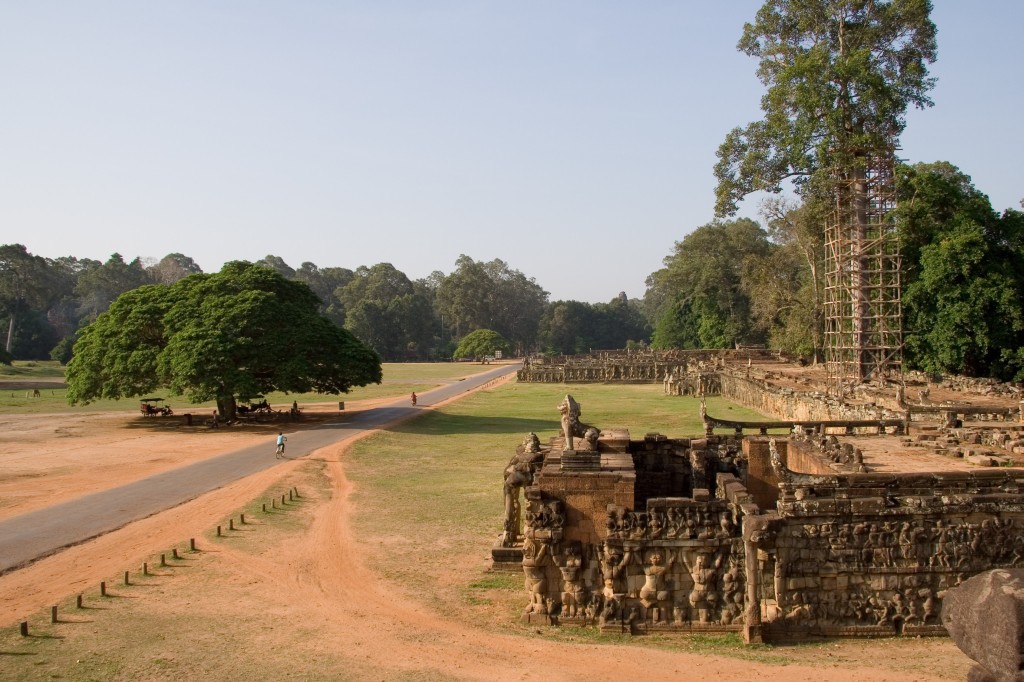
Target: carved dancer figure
516, 476
703, 595
571, 567
535, 556
655, 592
613, 566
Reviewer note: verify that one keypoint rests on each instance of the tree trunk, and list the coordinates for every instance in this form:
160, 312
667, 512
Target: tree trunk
227, 406
10, 333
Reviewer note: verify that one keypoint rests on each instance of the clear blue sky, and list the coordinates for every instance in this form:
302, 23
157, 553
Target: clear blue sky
573, 139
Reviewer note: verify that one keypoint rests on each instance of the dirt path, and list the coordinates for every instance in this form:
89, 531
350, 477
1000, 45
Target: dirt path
325, 583
47, 459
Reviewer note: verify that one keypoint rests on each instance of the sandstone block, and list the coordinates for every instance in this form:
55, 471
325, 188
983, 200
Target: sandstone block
985, 618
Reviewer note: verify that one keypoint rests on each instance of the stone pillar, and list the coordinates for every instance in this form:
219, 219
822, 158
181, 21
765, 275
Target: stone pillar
762, 482
756, 528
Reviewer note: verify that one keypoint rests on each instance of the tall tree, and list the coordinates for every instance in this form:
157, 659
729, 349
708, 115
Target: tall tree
326, 283
840, 75
704, 278
229, 336
172, 267
24, 282
98, 287
517, 303
277, 264
387, 311
569, 327
464, 297
786, 285
492, 295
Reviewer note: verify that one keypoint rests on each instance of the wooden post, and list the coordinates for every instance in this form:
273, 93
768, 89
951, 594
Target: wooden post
192, 544
103, 588
145, 568
174, 553
296, 492
243, 519
126, 580
163, 559
291, 496
78, 602
53, 614
218, 531
282, 501
231, 524
24, 628
264, 507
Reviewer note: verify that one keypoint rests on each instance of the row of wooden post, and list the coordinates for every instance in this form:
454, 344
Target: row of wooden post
23, 627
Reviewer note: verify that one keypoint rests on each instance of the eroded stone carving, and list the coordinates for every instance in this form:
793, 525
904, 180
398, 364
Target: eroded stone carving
664, 535
570, 412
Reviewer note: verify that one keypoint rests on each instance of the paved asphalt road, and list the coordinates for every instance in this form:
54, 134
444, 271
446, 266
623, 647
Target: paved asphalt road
31, 536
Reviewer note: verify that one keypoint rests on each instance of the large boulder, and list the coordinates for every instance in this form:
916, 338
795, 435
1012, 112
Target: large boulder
985, 618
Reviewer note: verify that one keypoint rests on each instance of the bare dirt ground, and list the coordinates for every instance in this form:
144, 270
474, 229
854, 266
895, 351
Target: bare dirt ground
49, 458
318, 578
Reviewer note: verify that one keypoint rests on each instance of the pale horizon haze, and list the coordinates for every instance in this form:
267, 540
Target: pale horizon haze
573, 140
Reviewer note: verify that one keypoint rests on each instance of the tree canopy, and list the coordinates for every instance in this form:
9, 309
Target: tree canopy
840, 75
703, 303
491, 295
481, 343
569, 327
24, 281
963, 275
229, 336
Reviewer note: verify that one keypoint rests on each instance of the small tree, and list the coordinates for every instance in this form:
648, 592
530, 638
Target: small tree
480, 343
229, 336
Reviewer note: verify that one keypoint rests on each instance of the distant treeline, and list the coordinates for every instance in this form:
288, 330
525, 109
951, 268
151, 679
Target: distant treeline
46, 300
727, 282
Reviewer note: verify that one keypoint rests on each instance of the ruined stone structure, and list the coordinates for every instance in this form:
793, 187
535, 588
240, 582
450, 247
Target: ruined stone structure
764, 382
679, 369
776, 538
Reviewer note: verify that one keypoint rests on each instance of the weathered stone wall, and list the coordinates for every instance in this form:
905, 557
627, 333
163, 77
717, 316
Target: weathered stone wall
790, 405
871, 554
700, 535
585, 499
675, 564
641, 366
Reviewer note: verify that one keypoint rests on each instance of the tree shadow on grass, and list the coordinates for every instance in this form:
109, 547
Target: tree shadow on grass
444, 424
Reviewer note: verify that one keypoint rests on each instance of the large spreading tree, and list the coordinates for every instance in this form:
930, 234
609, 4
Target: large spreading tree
840, 75
228, 337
